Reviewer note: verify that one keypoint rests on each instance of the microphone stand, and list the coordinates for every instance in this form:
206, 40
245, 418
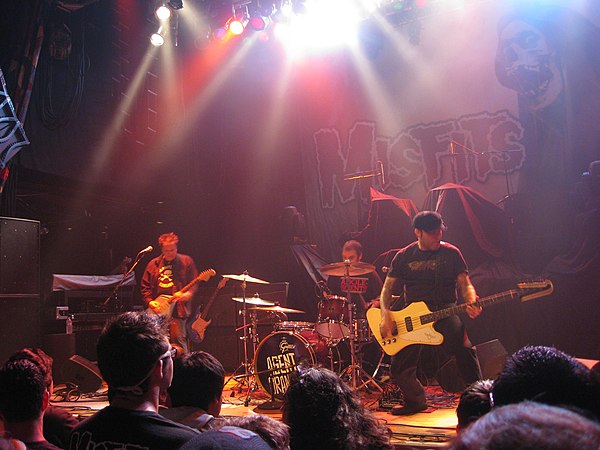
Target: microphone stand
138, 258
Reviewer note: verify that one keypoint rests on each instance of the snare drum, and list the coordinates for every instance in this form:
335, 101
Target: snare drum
278, 355
331, 321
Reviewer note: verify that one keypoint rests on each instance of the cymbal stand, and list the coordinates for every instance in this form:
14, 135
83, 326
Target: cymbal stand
354, 372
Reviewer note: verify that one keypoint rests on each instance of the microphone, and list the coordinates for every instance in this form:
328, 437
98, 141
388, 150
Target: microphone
146, 250
452, 147
385, 269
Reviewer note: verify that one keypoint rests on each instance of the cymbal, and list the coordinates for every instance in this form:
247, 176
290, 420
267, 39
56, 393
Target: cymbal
277, 308
245, 277
254, 300
354, 269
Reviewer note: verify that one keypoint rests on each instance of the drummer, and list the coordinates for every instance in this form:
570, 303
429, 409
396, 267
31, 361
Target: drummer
364, 288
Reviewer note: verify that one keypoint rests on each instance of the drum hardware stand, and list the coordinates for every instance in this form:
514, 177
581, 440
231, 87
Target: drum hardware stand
354, 371
270, 405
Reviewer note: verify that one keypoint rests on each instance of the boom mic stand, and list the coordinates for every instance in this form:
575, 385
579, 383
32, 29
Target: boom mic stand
138, 258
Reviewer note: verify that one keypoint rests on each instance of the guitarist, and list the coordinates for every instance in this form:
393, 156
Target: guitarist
167, 274
432, 271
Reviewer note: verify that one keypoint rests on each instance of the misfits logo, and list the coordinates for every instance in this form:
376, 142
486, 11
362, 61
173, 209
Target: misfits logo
419, 154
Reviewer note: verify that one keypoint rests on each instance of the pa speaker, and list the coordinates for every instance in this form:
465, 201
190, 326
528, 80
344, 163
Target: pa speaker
492, 356
82, 373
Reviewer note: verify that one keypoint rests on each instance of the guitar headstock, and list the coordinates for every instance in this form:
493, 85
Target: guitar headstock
535, 289
207, 274
222, 283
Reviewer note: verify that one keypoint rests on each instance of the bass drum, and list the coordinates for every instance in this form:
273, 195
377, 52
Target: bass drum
278, 355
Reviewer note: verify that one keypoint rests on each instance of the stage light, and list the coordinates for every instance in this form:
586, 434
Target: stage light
162, 12
175, 4
236, 27
258, 23
157, 39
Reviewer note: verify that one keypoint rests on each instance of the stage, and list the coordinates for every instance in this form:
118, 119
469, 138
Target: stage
432, 428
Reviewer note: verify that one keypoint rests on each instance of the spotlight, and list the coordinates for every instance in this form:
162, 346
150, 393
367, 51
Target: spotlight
162, 12
236, 27
175, 4
258, 23
157, 39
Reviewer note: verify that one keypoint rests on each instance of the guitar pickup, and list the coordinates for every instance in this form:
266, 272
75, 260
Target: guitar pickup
408, 323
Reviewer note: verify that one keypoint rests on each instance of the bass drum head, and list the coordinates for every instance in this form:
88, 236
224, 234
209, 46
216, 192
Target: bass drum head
277, 357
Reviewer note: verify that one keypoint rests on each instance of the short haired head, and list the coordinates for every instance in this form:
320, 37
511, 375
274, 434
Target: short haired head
428, 221
529, 425
22, 388
474, 402
168, 239
38, 357
198, 380
546, 375
128, 348
324, 412
353, 245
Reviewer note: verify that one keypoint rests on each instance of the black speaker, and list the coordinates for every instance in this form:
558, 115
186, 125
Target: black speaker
83, 373
21, 324
224, 344
492, 356
19, 256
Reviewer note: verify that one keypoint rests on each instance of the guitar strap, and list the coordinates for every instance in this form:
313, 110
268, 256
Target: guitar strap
437, 293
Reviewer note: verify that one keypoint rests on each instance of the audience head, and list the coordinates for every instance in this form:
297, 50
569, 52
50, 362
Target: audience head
529, 425
474, 402
198, 380
129, 349
40, 359
323, 412
546, 375
273, 432
23, 392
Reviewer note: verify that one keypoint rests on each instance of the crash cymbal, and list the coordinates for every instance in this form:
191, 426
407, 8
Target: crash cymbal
245, 277
277, 308
254, 300
353, 268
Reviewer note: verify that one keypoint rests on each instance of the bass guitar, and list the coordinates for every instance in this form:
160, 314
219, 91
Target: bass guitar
414, 324
198, 323
166, 302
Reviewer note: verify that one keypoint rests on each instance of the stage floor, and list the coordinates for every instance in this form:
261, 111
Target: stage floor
432, 428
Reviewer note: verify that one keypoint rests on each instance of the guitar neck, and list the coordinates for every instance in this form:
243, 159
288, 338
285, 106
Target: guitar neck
485, 301
204, 314
203, 276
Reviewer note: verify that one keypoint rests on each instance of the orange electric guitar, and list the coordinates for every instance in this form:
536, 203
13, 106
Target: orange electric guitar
166, 302
198, 323
414, 324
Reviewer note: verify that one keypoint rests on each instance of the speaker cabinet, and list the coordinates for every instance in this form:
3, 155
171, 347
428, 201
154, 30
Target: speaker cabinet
21, 324
492, 356
83, 373
19, 256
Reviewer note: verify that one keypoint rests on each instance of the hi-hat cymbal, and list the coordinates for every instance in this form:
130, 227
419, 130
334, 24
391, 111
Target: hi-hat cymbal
277, 308
245, 277
353, 269
254, 300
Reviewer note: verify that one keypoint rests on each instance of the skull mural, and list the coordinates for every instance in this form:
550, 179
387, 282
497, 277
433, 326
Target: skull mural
527, 64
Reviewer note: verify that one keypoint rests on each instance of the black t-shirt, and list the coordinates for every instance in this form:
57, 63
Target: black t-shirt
123, 428
365, 288
429, 276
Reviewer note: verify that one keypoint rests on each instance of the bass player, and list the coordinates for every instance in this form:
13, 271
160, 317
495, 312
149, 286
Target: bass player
166, 275
432, 271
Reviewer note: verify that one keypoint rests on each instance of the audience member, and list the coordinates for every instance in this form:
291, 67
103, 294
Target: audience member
23, 398
474, 402
8, 443
227, 438
547, 375
196, 390
58, 422
323, 412
529, 426
135, 359
273, 432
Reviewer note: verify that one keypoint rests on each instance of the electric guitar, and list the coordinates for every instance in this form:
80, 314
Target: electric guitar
165, 302
414, 324
197, 323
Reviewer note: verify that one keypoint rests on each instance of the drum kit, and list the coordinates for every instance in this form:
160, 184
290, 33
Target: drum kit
295, 343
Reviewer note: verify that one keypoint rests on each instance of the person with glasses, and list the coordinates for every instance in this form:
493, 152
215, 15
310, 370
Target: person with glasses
431, 271
136, 361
